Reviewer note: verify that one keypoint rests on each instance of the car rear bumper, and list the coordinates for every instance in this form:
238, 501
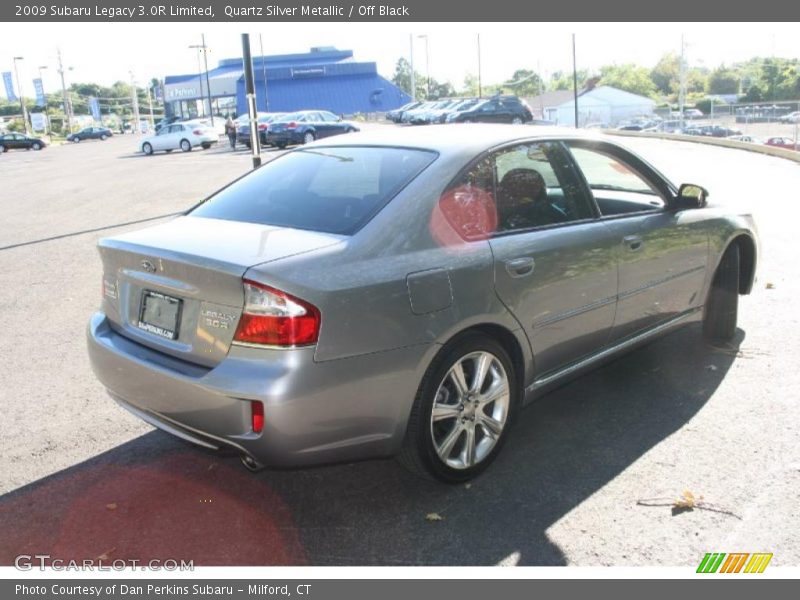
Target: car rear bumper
284, 137
314, 412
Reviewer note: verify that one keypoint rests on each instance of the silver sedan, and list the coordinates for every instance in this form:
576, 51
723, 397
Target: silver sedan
406, 292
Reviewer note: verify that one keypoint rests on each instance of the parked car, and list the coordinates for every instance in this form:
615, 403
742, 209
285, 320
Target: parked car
396, 116
218, 125
713, 131
183, 136
793, 117
499, 109
305, 126
90, 133
782, 142
166, 121
406, 291
745, 138
264, 120
20, 141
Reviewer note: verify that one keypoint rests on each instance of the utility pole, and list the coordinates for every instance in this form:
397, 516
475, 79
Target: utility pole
682, 85
250, 94
135, 104
67, 105
264, 72
575, 80
200, 77
150, 104
480, 90
208, 84
21, 97
427, 67
413, 76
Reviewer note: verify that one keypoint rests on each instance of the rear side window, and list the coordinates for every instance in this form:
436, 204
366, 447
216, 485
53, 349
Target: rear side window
333, 190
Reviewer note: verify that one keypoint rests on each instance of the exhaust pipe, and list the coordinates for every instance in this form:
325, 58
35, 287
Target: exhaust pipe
250, 463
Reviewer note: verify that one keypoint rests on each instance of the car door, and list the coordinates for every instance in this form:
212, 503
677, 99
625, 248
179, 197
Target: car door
662, 253
161, 139
487, 113
554, 259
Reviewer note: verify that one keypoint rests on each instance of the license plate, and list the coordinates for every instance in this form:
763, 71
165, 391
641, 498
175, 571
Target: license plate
160, 314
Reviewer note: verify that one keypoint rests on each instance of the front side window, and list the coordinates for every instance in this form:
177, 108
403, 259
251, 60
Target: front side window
616, 186
333, 190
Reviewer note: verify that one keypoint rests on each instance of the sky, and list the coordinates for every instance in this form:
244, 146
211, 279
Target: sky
107, 52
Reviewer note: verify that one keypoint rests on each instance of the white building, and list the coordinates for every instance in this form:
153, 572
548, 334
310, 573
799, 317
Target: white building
602, 104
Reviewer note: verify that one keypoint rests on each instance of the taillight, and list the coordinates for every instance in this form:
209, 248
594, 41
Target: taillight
257, 416
262, 127
292, 125
274, 318
198, 132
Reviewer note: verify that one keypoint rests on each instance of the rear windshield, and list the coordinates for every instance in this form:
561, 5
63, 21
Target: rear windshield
333, 190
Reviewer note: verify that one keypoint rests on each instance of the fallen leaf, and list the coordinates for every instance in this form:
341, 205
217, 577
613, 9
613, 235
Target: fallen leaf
434, 517
770, 286
687, 500
467, 486
711, 367
111, 506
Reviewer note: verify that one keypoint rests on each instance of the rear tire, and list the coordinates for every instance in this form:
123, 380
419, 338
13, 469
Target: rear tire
282, 145
516, 121
469, 428
147, 148
186, 146
722, 304
3, 149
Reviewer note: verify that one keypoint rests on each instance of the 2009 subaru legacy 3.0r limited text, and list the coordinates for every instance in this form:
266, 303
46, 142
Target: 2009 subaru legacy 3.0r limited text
406, 292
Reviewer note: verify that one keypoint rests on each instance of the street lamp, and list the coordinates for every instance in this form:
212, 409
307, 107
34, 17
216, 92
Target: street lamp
204, 49
427, 67
21, 97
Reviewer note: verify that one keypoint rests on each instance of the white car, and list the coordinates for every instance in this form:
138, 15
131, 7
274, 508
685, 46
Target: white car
793, 117
183, 136
218, 126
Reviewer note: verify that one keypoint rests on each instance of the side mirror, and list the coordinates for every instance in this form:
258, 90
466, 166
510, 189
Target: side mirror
691, 196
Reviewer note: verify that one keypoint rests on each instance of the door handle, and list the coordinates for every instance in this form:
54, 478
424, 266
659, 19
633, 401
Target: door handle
519, 267
633, 242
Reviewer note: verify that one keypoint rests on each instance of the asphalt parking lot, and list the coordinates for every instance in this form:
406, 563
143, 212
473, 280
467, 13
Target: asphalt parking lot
588, 477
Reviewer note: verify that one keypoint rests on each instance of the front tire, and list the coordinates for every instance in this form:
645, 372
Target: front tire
722, 304
516, 121
36, 146
463, 410
308, 137
76, 140
3, 149
147, 148
103, 138
186, 146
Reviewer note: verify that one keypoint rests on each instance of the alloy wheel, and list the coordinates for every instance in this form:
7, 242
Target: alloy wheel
470, 410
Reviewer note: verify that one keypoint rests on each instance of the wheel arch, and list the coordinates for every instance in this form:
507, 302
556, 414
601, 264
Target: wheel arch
747, 261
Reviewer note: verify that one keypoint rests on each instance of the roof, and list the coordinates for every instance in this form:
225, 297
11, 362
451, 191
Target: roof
455, 138
551, 98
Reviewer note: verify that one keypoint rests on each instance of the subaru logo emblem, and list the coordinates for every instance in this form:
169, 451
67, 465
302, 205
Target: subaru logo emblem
148, 266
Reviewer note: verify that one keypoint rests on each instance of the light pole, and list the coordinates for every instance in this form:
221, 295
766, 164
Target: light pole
204, 49
46, 115
480, 91
199, 75
21, 97
67, 103
413, 76
427, 67
135, 104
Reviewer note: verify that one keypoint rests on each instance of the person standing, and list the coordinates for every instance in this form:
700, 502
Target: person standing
230, 131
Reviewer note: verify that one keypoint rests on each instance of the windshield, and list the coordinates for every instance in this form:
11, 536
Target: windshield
333, 190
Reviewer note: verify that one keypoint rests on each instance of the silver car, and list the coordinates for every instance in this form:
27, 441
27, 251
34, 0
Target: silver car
407, 292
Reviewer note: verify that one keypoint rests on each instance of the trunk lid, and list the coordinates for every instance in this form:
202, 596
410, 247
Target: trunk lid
177, 287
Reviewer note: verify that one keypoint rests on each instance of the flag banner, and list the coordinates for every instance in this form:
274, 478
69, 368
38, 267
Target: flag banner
38, 88
94, 106
11, 96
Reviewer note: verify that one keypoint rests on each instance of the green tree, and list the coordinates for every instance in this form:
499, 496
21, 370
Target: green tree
525, 82
402, 79
629, 77
560, 80
666, 74
723, 81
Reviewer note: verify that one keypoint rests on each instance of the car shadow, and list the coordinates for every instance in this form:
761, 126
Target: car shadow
155, 497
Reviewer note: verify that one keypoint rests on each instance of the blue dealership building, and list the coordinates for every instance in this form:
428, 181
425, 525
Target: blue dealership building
324, 78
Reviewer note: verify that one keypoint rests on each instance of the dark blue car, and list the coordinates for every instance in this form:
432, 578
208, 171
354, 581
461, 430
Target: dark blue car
305, 126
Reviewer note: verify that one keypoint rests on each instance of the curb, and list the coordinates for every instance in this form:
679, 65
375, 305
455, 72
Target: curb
792, 155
